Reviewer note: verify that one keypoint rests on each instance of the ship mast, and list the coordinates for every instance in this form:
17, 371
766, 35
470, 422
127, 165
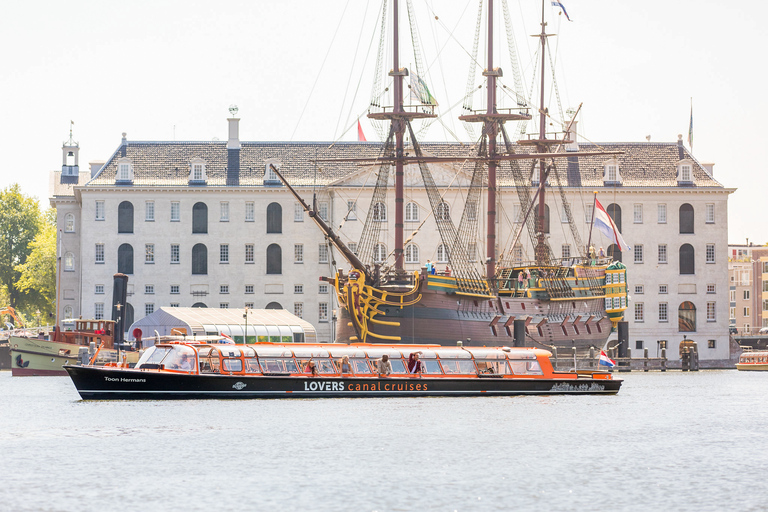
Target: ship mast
492, 121
399, 117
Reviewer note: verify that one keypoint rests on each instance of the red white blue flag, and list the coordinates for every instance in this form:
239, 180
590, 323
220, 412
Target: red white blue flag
360, 134
559, 4
605, 224
606, 361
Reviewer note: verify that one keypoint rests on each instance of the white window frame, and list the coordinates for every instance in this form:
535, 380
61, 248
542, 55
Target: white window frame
710, 253
298, 309
175, 211
175, 289
322, 253
249, 289
663, 312
250, 251
709, 213
638, 253
99, 210
99, 256
250, 211
351, 210
149, 254
638, 213
149, 211
223, 254
639, 312
322, 312
411, 253
69, 223
663, 256
224, 209
298, 212
175, 254
411, 212
661, 213
298, 253
98, 311
711, 311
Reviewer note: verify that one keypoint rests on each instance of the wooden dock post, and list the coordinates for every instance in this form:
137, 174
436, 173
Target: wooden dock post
645, 359
664, 359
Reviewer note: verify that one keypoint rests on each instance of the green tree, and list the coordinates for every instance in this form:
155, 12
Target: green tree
38, 273
19, 223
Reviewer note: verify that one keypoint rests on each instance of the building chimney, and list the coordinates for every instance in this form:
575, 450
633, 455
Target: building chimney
233, 148
96, 166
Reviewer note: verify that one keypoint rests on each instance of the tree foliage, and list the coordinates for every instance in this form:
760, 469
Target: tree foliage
38, 273
20, 221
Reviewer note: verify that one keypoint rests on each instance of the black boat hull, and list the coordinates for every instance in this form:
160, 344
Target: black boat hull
126, 384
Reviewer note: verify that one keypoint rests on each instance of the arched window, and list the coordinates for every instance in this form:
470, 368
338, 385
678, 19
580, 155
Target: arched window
199, 305
686, 259
545, 228
686, 218
411, 212
442, 254
69, 261
443, 211
379, 253
125, 259
686, 317
274, 305
68, 312
380, 212
69, 223
614, 252
200, 259
125, 217
200, 218
274, 259
274, 218
411, 253
614, 211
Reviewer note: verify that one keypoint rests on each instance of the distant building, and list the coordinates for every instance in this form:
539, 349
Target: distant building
748, 275
209, 224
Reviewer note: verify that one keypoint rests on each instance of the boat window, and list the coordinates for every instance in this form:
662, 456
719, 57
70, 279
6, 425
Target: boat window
180, 357
398, 366
278, 365
248, 351
376, 353
360, 366
492, 366
252, 365
485, 353
232, 365
525, 367
458, 366
210, 364
346, 351
273, 352
309, 352
229, 351
431, 366
521, 355
455, 354
153, 355
326, 366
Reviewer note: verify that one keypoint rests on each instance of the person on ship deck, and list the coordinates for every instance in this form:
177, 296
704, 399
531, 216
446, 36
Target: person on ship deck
414, 365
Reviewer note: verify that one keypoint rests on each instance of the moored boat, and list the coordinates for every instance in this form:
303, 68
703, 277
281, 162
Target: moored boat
43, 356
180, 370
753, 361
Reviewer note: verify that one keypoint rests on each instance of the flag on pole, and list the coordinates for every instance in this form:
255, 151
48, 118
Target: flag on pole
559, 4
420, 91
690, 128
605, 360
360, 134
605, 224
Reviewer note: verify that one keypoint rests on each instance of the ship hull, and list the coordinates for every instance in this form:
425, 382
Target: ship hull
31, 357
95, 383
444, 319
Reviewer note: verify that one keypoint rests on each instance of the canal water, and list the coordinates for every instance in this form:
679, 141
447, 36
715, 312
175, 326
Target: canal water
667, 441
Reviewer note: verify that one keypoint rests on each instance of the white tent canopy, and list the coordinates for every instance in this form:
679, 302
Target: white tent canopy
275, 325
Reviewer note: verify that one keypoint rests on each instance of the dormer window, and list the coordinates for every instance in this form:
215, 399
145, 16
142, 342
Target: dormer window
684, 172
270, 176
124, 171
611, 174
197, 171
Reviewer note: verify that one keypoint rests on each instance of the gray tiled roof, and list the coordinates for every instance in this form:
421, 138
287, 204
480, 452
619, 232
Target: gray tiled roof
167, 164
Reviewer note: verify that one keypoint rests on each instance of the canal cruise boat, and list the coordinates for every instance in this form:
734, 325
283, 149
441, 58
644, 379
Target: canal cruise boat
753, 361
192, 370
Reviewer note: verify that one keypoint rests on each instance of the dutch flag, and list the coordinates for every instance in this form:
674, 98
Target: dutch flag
559, 4
605, 224
605, 360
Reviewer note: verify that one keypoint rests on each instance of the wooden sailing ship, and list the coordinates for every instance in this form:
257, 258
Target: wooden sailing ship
548, 302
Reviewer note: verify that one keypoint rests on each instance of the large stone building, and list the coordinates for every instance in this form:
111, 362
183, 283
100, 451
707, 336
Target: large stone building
208, 223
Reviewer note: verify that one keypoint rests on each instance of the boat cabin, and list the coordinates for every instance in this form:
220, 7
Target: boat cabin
294, 359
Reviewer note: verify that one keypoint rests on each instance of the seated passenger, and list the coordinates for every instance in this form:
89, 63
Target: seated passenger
414, 365
186, 362
311, 368
344, 365
384, 366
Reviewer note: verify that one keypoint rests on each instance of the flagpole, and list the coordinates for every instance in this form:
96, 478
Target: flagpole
592, 221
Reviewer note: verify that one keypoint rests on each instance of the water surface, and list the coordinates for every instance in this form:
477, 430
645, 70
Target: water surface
667, 441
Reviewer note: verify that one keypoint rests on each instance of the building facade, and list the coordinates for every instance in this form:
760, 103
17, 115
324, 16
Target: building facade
210, 224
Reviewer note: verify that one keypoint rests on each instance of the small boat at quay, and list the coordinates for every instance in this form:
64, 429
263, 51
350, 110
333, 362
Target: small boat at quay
753, 361
188, 370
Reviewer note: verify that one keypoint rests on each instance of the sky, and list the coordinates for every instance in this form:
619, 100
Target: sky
302, 70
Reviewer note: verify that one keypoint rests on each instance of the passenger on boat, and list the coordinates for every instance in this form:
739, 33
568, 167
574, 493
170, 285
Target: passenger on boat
414, 365
311, 368
186, 362
384, 366
344, 365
